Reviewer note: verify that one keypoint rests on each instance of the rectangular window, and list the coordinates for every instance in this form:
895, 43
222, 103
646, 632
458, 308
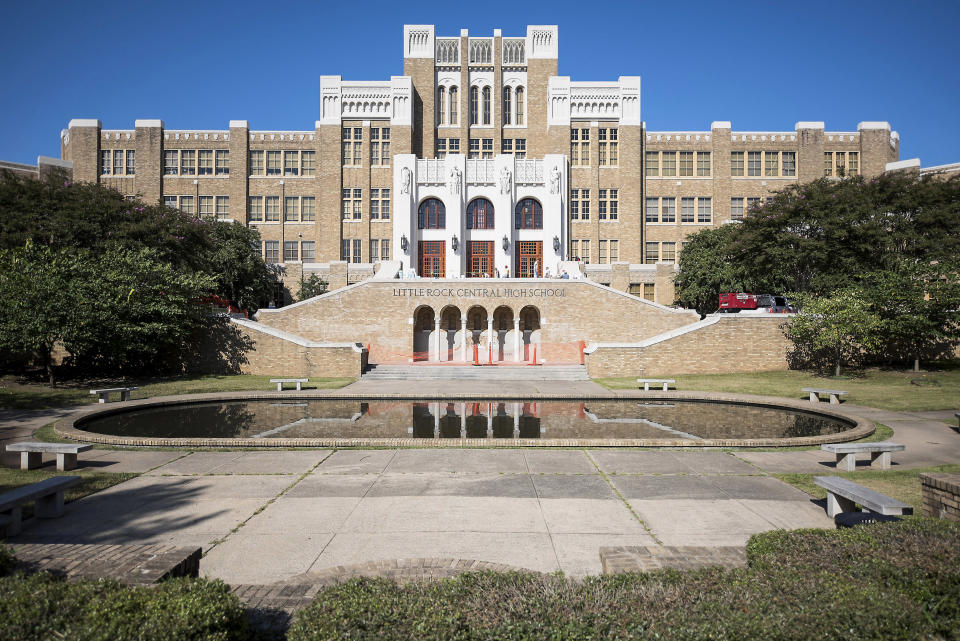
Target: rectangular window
651, 253
186, 204
608, 204
105, 165
580, 147
118, 162
273, 163
347, 205
308, 209
753, 163
170, 201
668, 163
652, 210
668, 252
487, 148
385, 204
703, 163
385, 249
223, 208
771, 164
752, 203
171, 162
290, 207
357, 204
607, 143
789, 163
453, 145
840, 158
374, 250
206, 206
506, 146
584, 206
441, 148
374, 203
308, 162
205, 162
520, 147
271, 251
352, 145
585, 250
474, 148
602, 213
828, 163
291, 163
648, 290
668, 213
256, 163
255, 208
188, 162
736, 163
736, 209
653, 163
380, 146
853, 162
686, 210
271, 209
356, 258
602, 258
290, 251
614, 251
574, 249
345, 249
686, 163
308, 251
614, 204
222, 162
574, 204
131, 162
704, 211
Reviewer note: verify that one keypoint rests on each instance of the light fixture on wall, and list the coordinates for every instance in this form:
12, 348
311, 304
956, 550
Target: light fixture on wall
454, 242
506, 243
403, 242
556, 243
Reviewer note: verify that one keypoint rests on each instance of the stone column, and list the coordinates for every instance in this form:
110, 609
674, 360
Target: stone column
435, 408
489, 420
463, 420
516, 420
516, 339
490, 337
436, 339
463, 339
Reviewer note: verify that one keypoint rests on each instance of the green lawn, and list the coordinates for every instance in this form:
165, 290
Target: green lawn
934, 389
93, 481
15, 395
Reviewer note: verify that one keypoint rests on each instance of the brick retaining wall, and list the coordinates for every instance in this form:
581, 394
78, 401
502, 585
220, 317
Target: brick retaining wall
941, 495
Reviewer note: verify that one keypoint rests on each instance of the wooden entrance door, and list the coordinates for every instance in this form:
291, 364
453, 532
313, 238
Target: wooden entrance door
432, 259
529, 254
480, 258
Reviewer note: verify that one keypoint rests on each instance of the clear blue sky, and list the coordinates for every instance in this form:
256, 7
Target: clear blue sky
762, 65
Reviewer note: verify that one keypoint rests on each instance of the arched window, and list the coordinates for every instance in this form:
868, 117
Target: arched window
529, 214
432, 215
442, 104
506, 106
474, 106
486, 105
519, 106
454, 106
480, 214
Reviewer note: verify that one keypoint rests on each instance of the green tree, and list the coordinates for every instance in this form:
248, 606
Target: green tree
311, 286
842, 324
241, 275
707, 268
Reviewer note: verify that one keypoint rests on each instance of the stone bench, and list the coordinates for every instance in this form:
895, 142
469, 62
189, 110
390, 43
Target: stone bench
843, 495
847, 453
666, 382
835, 394
281, 381
30, 454
46, 495
104, 394
957, 414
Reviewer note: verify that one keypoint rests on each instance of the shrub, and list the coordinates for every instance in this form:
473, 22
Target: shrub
7, 561
889, 581
39, 606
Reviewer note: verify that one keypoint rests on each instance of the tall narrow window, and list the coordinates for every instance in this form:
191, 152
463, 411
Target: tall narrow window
507, 107
771, 163
272, 208
704, 211
223, 207
118, 162
105, 165
789, 163
686, 210
474, 106
480, 214
256, 163
518, 105
653, 163
222, 162
273, 163
206, 207
255, 208
703, 163
652, 210
486, 105
529, 214
308, 208
736, 209
291, 163
171, 162
131, 163
668, 212
432, 215
736, 163
853, 162
205, 162
309, 162
454, 106
753, 163
188, 160
686, 163
308, 251
668, 163
442, 104
290, 213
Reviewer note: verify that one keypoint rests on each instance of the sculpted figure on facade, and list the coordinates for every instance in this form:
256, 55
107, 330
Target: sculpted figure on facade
455, 180
555, 180
506, 180
406, 177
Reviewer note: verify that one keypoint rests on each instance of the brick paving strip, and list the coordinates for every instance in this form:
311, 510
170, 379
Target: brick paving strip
130, 564
639, 558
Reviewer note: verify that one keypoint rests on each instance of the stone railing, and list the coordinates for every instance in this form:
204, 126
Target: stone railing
480, 172
169, 134
529, 171
448, 51
430, 171
514, 51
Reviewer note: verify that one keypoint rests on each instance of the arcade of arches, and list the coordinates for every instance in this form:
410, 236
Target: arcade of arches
452, 334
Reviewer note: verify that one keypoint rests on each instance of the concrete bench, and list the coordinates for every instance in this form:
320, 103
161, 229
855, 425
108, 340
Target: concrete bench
46, 495
957, 414
30, 454
843, 495
281, 381
655, 381
847, 453
835, 394
104, 394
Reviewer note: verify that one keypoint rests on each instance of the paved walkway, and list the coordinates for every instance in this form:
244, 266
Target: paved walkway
268, 516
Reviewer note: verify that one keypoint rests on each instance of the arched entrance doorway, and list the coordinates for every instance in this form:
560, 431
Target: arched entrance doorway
503, 333
530, 331
423, 327
450, 335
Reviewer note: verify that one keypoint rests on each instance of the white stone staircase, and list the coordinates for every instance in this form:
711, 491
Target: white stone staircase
477, 373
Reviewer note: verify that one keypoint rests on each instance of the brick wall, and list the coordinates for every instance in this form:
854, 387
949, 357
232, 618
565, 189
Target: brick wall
941, 496
273, 356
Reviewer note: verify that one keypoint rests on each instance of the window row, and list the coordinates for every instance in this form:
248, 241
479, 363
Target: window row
432, 214
304, 251
607, 201
295, 209
118, 162
841, 163
350, 250
515, 146
379, 146
513, 98
196, 162
769, 164
480, 148
643, 290
678, 163
740, 206
288, 163
352, 199
607, 144
203, 206
662, 252
693, 209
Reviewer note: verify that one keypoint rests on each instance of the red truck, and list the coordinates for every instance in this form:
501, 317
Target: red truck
734, 302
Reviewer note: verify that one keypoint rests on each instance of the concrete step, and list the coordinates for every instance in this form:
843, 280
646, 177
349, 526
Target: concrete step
478, 373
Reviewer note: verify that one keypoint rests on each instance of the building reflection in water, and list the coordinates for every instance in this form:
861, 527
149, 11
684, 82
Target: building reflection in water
511, 419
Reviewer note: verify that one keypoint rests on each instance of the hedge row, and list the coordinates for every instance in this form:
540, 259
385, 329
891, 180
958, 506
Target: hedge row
888, 581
